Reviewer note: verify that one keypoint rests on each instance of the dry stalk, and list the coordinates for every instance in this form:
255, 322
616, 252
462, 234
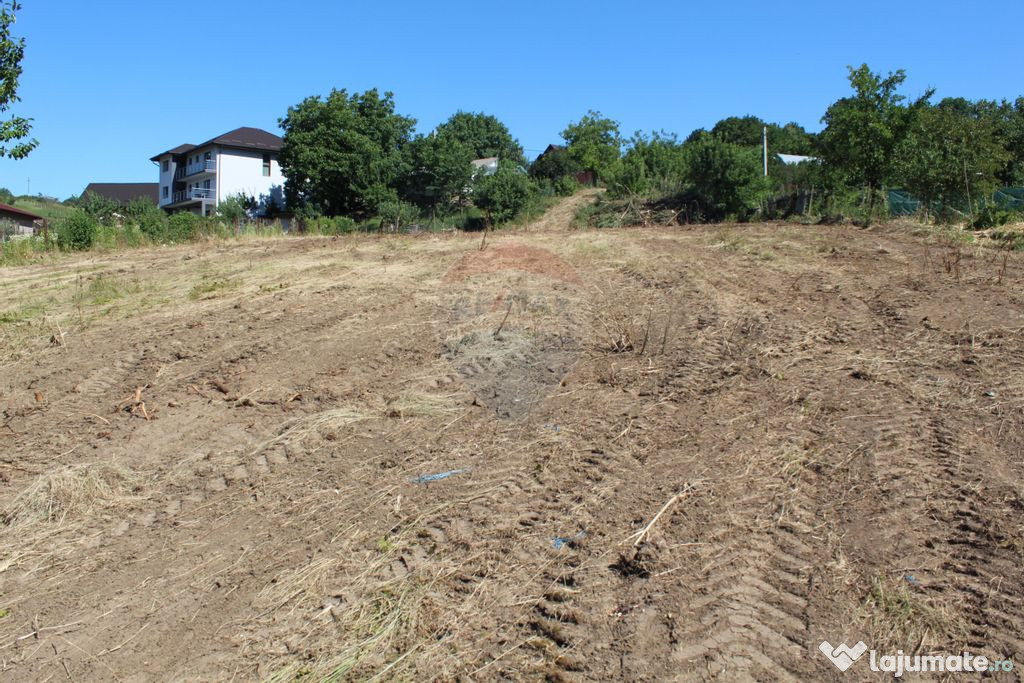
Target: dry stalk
642, 534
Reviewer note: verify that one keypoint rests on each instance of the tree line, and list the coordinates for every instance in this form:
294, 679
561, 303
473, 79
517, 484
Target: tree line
353, 154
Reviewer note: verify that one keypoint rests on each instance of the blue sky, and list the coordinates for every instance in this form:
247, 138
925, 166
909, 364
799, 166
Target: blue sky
112, 83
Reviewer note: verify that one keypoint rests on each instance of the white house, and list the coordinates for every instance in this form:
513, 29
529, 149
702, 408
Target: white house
197, 178
487, 166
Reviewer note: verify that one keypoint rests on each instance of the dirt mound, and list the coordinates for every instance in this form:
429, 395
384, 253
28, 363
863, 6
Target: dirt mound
516, 324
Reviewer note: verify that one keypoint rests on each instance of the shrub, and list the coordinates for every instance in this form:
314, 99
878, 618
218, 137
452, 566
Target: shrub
237, 207
76, 231
992, 217
503, 195
566, 186
146, 218
182, 227
470, 219
326, 225
725, 179
100, 208
628, 178
395, 213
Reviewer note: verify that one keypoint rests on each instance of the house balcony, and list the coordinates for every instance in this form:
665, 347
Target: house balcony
207, 166
196, 194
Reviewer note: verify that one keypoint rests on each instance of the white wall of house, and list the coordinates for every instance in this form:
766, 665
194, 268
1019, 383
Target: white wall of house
166, 178
242, 171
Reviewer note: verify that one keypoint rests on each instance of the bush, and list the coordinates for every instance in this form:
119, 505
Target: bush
395, 213
182, 227
503, 195
992, 217
725, 180
100, 208
146, 218
237, 207
470, 219
76, 231
326, 225
566, 186
628, 178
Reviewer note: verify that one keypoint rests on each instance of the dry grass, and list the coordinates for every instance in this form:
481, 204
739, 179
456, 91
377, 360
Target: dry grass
415, 404
60, 502
298, 430
897, 613
377, 621
76, 492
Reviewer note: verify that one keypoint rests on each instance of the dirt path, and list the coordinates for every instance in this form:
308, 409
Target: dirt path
689, 454
559, 218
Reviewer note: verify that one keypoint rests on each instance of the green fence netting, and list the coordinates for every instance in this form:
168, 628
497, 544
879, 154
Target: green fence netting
902, 203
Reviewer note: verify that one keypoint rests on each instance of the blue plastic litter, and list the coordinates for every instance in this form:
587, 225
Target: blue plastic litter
910, 579
435, 477
552, 426
562, 540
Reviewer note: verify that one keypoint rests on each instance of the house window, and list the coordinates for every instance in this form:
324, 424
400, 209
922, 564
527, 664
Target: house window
167, 165
166, 191
206, 156
266, 164
206, 184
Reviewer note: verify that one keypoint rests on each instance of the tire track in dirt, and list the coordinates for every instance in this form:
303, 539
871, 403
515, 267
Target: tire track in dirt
941, 520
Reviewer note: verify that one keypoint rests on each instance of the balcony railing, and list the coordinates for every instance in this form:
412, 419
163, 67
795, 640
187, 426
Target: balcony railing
207, 166
196, 193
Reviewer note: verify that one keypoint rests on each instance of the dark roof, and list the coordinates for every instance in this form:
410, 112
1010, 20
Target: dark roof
125, 192
7, 208
180, 149
248, 138
239, 138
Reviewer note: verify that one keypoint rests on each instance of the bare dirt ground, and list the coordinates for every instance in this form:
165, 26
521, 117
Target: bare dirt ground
666, 453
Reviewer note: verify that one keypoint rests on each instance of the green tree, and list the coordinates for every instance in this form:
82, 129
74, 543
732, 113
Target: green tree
594, 143
628, 177
484, 136
503, 195
951, 156
663, 159
554, 164
745, 131
1007, 120
438, 171
343, 154
748, 131
863, 132
14, 130
725, 180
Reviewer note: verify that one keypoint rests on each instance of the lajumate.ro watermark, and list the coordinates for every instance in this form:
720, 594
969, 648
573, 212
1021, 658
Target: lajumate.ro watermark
844, 656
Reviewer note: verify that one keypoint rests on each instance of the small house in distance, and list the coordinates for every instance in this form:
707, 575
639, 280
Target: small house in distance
585, 177
123, 193
25, 223
485, 166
